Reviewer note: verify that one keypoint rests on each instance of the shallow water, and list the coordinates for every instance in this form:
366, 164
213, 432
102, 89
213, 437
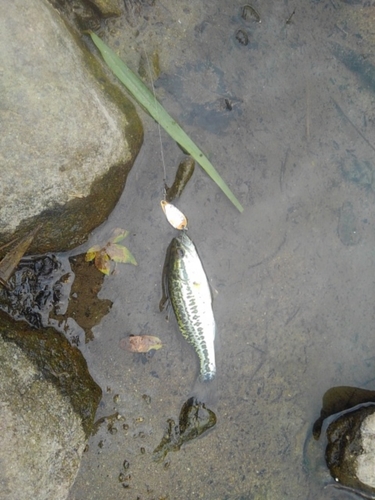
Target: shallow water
292, 276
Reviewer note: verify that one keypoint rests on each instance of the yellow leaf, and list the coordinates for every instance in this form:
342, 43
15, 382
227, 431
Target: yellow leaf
111, 251
91, 253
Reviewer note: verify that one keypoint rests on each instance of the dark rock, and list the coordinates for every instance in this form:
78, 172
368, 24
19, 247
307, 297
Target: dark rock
59, 362
339, 399
195, 419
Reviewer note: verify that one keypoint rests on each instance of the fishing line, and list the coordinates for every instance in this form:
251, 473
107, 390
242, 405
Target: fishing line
174, 216
159, 128
131, 12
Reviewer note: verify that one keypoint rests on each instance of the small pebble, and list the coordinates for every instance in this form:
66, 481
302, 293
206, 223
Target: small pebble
146, 398
250, 14
122, 477
242, 37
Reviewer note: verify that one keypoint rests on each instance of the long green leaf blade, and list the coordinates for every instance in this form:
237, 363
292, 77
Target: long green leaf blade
146, 98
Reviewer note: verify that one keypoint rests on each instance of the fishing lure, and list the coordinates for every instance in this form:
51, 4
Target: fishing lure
174, 216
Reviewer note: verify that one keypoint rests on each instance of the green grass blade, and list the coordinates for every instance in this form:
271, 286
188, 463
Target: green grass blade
146, 98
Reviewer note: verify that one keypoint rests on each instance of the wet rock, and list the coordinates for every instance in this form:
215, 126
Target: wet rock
39, 286
194, 420
350, 453
52, 290
339, 399
71, 136
47, 406
348, 227
337, 442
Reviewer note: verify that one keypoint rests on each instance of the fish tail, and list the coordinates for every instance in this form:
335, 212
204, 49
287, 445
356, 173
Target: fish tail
205, 391
207, 376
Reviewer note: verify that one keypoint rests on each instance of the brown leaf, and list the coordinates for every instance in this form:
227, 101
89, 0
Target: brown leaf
12, 258
140, 343
119, 253
118, 234
102, 262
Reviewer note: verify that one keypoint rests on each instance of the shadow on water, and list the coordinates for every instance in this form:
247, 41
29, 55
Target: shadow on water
284, 110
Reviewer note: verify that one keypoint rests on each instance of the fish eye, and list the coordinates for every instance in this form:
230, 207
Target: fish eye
180, 252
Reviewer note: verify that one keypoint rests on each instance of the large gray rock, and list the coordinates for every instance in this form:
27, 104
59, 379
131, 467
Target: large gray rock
47, 406
67, 141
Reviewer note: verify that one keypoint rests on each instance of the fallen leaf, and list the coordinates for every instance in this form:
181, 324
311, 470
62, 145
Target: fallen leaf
140, 343
102, 262
91, 253
10, 261
119, 253
118, 235
102, 255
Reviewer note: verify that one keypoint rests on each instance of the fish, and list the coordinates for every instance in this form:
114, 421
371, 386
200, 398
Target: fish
185, 284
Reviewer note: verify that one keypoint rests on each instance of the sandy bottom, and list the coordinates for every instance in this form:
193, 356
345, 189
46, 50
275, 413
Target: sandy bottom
290, 126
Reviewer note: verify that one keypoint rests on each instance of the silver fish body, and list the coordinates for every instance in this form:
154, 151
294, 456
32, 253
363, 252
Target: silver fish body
186, 285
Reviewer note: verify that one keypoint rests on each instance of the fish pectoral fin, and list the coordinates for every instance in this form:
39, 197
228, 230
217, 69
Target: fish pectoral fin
169, 307
163, 304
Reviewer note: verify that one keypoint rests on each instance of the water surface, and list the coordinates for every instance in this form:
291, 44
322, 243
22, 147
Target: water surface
285, 121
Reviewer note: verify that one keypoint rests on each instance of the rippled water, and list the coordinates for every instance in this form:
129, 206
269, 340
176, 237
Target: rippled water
290, 126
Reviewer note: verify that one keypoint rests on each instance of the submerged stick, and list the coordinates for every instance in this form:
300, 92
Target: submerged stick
145, 97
